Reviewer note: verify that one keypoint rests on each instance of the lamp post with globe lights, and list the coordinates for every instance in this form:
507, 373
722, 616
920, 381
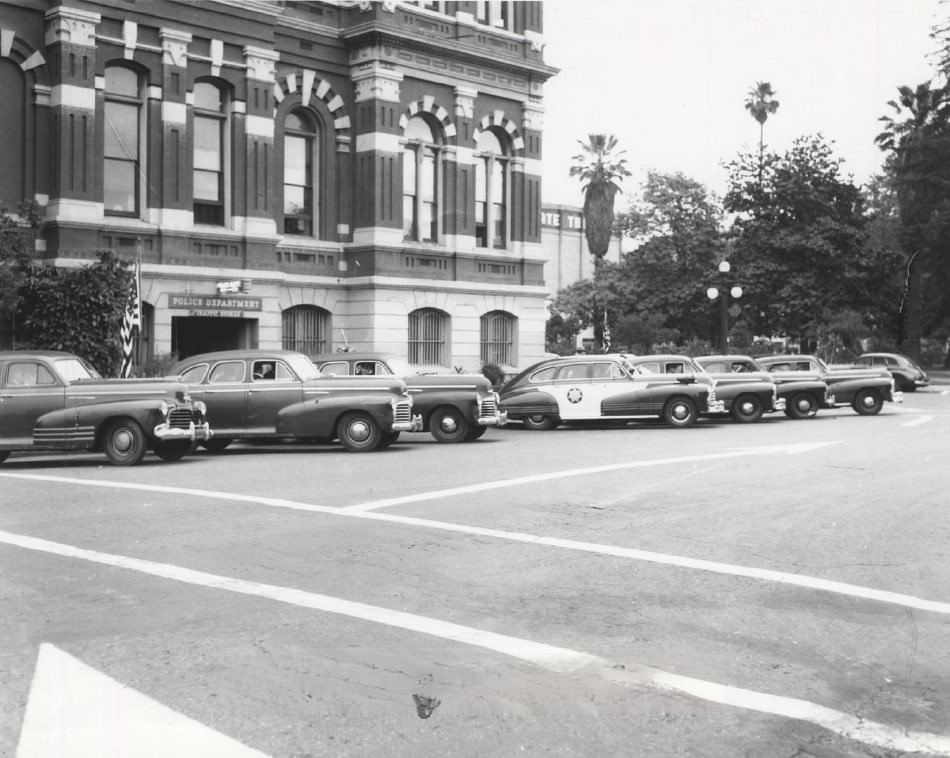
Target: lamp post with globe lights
723, 294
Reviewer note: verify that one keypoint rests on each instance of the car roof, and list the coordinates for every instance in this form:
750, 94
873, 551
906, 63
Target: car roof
881, 355
722, 357
785, 357
10, 354
238, 354
352, 357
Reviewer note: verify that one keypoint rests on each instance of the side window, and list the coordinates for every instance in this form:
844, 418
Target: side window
195, 374
383, 370
263, 371
864, 361
805, 366
780, 367
891, 362
365, 368
573, 372
649, 368
28, 375
227, 372
605, 371
337, 368
675, 368
284, 374
720, 368
544, 375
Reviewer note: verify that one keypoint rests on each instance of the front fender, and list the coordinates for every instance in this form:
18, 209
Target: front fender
317, 417
528, 403
146, 412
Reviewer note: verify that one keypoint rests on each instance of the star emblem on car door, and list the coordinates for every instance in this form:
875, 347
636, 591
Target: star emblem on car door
574, 395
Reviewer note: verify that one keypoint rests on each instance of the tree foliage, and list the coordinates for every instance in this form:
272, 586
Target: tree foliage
600, 170
800, 240
761, 104
78, 310
15, 260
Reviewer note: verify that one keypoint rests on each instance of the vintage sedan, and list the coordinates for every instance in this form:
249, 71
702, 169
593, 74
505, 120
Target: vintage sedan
610, 387
454, 407
799, 396
51, 400
280, 394
865, 390
908, 376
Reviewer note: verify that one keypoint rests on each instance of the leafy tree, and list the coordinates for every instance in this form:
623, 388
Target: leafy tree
917, 138
78, 310
600, 170
760, 105
799, 239
679, 225
15, 259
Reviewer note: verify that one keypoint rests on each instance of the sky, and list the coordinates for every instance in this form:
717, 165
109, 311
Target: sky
669, 78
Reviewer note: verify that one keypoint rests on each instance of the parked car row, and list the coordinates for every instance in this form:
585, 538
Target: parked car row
364, 401
679, 389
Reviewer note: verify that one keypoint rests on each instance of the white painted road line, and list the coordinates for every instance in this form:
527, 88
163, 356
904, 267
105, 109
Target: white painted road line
666, 559
549, 657
790, 449
918, 421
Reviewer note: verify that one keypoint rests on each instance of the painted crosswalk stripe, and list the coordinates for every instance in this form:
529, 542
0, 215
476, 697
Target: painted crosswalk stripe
918, 421
546, 656
666, 559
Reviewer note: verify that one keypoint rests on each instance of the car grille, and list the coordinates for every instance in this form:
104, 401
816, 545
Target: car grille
182, 418
489, 407
402, 413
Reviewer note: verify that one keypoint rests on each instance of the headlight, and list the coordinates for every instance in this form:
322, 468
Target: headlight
202, 408
164, 408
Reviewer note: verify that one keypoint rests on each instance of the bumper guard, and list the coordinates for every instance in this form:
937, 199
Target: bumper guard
194, 432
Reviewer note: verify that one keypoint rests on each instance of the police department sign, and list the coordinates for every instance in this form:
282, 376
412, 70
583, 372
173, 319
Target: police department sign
574, 395
214, 305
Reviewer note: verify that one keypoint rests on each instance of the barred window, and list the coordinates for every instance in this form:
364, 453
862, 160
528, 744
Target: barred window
428, 337
306, 329
499, 336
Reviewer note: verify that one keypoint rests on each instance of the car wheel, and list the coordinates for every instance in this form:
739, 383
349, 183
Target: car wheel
540, 422
173, 450
801, 405
359, 433
448, 425
4, 454
868, 402
475, 432
388, 439
747, 408
680, 412
216, 444
124, 442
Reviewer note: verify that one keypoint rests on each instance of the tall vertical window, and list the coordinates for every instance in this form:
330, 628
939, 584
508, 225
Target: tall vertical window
498, 338
491, 191
420, 180
300, 137
306, 329
481, 11
428, 337
209, 158
123, 142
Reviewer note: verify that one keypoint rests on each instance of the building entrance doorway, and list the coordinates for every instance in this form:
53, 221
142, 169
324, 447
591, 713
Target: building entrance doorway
201, 334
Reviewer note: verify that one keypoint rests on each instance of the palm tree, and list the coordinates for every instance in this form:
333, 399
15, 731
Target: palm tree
917, 138
760, 105
600, 170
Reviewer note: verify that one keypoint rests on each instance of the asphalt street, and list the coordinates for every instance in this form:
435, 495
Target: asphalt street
774, 589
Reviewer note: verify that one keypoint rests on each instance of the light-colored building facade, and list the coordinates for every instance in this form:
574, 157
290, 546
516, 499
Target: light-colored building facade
311, 175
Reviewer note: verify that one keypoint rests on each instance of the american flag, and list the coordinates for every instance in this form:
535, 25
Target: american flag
131, 323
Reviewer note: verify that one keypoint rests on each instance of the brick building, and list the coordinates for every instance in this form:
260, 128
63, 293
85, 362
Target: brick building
299, 174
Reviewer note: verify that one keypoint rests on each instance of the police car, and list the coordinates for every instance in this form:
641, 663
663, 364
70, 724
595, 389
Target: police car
610, 387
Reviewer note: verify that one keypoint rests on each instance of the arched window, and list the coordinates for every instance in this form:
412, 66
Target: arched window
420, 181
306, 329
429, 337
301, 213
491, 191
124, 143
211, 154
499, 337
12, 153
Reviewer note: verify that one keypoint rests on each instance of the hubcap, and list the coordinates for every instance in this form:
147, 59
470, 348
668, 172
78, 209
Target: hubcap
680, 412
359, 431
868, 401
804, 404
748, 408
122, 440
449, 425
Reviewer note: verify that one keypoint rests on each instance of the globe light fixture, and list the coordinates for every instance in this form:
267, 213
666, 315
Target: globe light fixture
712, 293
724, 267
723, 295
736, 292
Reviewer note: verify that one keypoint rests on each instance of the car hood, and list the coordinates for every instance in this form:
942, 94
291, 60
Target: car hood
855, 372
374, 383
129, 389
728, 377
454, 381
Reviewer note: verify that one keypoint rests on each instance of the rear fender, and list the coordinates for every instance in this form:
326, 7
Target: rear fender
318, 416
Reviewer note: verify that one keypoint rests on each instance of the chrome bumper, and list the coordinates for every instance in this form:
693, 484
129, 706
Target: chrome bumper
779, 404
194, 432
830, 401
497, 419
716, 406
408, 426
897, 396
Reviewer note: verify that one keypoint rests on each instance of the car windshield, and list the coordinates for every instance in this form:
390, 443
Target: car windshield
303, 366
73, 370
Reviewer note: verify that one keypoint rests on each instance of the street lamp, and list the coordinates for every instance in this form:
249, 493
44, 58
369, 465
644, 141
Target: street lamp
713, 292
